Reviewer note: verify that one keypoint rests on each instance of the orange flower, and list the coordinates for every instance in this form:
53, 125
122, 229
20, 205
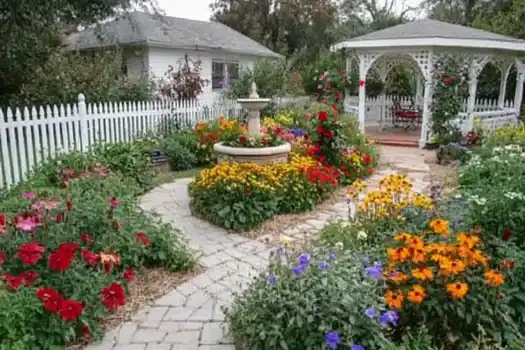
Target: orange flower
417, 294
439, 226
398, 254
416, 243
435, 248
469, 241
494, 278
457, 290
394, 299
439, 259
477, 257
452, 267
402, 237
423, 274
418, 256
397, 277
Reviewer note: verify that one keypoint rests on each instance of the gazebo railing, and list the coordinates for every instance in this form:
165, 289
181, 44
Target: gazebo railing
489, 120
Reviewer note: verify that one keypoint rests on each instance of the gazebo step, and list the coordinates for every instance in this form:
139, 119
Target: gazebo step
395, 141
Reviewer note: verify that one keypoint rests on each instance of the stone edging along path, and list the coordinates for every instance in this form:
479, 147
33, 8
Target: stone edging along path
190, 317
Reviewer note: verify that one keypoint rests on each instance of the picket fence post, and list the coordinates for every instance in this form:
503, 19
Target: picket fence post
82, 114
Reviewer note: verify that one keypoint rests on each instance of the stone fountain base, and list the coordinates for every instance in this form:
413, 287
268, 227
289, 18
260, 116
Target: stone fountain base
265, 155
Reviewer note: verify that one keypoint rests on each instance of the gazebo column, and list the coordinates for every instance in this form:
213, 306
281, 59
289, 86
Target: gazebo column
427, 113
502, 89
520, 79
471, 102
419, 88
362, 92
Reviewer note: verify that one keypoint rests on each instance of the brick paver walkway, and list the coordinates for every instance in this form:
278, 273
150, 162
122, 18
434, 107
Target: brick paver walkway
190, 317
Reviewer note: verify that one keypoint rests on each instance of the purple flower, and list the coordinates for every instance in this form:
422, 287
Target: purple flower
371, 313
281, 251
332, 339
323, 265
298, 270
332, 256
29, 195
272, 279
304, 259
297, 132
389, 316
375, 271
358, 347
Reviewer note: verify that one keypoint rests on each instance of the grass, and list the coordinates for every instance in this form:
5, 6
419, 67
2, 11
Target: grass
166, 176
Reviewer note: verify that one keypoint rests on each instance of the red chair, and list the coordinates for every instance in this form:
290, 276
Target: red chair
405, 117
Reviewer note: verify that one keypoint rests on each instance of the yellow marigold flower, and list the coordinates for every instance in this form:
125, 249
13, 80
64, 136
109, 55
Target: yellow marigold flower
439, 226
403, 237
398, 254
394, 299
397, 277
452, 267
469, 241
418, 256
477, 258
416, 242
416, 294
494, 278
457, 290
423, 274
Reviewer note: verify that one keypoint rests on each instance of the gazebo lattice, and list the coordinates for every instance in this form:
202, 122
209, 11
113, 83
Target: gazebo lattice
423, 43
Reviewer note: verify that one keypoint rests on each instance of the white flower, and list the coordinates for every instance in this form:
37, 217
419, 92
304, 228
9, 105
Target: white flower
514, 195
361, 235
346, 224
339, 245
478, 200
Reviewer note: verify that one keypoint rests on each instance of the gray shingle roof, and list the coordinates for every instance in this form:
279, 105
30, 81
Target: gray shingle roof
429, 28
155, 30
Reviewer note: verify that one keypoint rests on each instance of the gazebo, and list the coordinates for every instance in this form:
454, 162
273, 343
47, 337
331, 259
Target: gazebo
421, 44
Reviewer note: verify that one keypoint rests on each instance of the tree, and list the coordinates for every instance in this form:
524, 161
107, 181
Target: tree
462, 12
32, 30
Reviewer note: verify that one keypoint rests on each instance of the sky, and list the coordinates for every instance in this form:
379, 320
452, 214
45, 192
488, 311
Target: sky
200, 9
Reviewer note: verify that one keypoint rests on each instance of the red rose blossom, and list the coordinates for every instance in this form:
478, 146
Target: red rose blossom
129, 274
322, 116
143, 238
70, 310
90, 257
320, 129
362, 83
51, 299
447, 81
30, 253
113, 296
60, 260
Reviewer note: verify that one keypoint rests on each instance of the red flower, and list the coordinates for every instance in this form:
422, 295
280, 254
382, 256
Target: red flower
90, 257
50, 298
322, 116
242, 139
28, 278
322, 159
85, 331
320, 129
362, 83
143, 238
3, 258
60, 260
367, 159
30, 253
70, 247
26, 222
113, 296
113, 202
59, 218
86, 238
69, 205
334, 108
507, 233
313, 150
13, 281
329, 135
2, 223
70, 310
129, 274
278, 130
337, 95
371, 171
447, 81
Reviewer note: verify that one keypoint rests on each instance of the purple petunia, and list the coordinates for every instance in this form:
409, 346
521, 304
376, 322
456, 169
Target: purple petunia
272, 279
304, 259
358, 347
296, 132
371, 313
323, 265
332, 339
298, 270
332, 256
375, 271
389, 317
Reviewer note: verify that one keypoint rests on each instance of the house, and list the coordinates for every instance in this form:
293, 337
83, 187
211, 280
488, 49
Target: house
151, 43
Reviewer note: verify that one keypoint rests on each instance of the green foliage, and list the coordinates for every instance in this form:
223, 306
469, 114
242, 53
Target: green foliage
299, 309
179, 157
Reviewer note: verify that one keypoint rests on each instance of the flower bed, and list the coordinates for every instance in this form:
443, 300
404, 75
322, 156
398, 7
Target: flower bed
70, 247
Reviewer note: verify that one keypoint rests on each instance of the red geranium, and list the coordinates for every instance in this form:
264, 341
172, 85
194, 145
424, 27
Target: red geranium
113, 296
28, 278
50, 298
30, 253
322, 116
320, 129
129, 274
60, 260
447, 81
2, 223
69, 247
143, 238
70, 310
90, 257
3, 258
362, 83
113, 202
313, 150
367, 159
86, 238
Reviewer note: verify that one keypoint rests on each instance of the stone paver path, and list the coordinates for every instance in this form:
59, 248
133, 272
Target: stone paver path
190, 317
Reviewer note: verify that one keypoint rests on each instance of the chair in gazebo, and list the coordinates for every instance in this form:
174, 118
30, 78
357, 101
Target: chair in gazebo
421, 45
405, 117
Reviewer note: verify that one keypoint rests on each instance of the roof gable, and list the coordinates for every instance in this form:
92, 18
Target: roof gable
154, 30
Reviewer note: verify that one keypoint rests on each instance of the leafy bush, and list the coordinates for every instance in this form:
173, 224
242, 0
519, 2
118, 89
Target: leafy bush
507, 135
316, 300
61, 250
243, 195
179, 157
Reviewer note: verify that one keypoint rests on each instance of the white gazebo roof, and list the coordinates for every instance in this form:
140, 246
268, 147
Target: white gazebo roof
432, 33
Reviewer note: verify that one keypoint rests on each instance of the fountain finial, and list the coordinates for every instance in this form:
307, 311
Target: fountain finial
254, 93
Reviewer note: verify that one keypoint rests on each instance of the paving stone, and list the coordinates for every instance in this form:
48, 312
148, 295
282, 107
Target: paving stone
217, 347
214, 333
187, 289
173, 327
103, 345
217, 273
178, 314
202, 280
183, 337
173, 298
130, 347
185, 347
160, 347
125, 332
148, 336
197, 299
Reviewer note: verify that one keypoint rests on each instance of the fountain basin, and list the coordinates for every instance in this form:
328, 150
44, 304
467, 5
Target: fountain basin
263, 155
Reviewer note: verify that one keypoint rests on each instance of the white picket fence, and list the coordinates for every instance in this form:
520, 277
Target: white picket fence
30, 136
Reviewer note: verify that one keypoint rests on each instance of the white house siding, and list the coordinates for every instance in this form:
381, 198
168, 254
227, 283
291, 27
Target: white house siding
159, 60
136, 60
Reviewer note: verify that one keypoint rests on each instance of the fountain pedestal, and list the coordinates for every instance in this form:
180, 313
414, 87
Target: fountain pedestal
264, 155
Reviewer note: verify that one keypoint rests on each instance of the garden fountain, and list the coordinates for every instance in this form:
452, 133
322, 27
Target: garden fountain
261, 155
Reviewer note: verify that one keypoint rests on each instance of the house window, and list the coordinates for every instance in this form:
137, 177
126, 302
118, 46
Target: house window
223, 73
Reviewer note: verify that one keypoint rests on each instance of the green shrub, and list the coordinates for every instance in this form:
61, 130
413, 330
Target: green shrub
303, 298
179, 157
